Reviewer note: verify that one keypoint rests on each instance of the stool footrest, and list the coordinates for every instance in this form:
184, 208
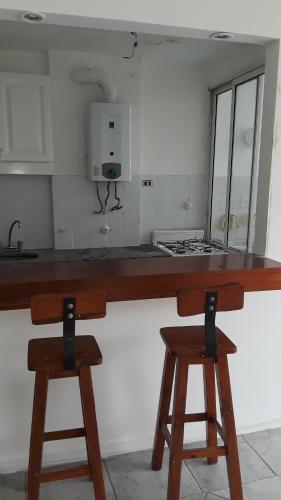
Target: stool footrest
211, 452
190, 417
64, 434
47, 477
207, 452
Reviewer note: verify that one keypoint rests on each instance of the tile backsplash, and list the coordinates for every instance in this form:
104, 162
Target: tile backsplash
161, 206
59, 211
28, 198
174, 202
77, 226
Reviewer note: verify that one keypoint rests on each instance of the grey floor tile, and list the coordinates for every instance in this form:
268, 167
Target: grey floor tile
133, 479
74, 489
203, 496
214, 477
8, 494
265, 489
12, 486
268, 446
211, 496
223, 494
15, 481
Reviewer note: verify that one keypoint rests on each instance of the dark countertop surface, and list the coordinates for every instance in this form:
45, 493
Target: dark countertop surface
88, 254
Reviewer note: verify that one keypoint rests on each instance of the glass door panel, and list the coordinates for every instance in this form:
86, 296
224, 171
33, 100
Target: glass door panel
253, 203
220, 165
242, 164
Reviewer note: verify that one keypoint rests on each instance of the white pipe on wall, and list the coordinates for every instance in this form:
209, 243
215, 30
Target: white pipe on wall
92, 76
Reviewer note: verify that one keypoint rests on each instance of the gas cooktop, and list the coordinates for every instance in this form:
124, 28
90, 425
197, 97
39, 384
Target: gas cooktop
185, 243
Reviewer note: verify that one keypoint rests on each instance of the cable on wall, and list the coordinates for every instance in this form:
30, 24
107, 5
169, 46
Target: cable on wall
100, 211
135, 45
103, 207
107, 196
118, 205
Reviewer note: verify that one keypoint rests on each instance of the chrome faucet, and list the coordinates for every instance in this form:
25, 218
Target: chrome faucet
19, 243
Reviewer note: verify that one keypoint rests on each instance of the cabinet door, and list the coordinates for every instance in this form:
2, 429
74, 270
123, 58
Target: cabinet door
25, 125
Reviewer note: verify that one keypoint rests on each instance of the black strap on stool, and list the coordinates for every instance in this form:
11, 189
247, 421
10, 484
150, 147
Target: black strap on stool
210, 324
69, 314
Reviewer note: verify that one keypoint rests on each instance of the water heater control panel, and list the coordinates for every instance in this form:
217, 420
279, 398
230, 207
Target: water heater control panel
109, 142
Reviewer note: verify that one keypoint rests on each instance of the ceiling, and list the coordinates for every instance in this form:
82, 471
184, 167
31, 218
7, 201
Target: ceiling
24, 36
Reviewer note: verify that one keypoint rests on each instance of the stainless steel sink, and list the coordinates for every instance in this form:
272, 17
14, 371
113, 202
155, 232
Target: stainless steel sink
15, 255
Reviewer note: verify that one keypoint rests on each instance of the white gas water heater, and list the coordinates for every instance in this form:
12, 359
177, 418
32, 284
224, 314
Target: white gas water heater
109, 142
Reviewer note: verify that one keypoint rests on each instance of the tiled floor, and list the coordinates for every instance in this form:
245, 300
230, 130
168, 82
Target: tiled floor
128, 477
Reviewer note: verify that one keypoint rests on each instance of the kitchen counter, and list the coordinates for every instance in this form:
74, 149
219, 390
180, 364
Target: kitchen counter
90, 254
134, 278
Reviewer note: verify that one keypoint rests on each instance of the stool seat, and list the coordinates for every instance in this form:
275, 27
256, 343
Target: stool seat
189, 341
47, 353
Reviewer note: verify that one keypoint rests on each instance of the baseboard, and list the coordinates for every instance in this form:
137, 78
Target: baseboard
247, 429
111, 448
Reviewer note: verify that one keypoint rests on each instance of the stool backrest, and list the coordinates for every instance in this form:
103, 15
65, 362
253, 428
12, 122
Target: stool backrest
49, 308
66, 308
230, 297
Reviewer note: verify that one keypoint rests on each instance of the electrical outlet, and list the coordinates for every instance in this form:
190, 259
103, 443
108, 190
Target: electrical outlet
147, 183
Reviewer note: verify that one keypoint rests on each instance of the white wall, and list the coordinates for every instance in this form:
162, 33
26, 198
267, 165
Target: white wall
268, 204
175, 118
241, 62
273, 240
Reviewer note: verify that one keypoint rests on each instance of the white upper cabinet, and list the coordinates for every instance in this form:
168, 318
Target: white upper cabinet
25, 122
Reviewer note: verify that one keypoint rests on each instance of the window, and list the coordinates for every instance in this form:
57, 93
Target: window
236, 130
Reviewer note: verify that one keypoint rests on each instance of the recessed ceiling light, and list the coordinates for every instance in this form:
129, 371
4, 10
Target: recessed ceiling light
221, 35
32, 17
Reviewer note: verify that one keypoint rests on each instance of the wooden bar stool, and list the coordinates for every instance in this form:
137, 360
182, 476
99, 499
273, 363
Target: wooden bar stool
207, 346
62, 357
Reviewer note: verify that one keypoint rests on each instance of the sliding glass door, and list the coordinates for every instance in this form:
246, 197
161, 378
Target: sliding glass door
237, 110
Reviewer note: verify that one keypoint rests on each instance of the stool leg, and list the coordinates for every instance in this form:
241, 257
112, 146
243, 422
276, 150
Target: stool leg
37, 435
228, 424
163, 410
91, 431
177, 431
210, 407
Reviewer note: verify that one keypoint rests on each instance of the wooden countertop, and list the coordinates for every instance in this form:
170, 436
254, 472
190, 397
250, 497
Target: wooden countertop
130, 279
